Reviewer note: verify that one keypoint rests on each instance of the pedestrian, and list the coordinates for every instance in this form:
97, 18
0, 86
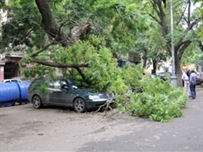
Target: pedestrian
186, 82
193, 78
188, 74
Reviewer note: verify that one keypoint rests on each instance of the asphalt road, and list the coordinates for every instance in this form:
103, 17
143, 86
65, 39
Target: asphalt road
24, 129
184, 134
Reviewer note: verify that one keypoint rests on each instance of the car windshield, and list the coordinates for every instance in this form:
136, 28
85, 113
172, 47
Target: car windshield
64, 84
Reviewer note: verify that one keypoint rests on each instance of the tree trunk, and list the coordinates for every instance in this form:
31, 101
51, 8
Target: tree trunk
178, 71
144, 57
54, 30
50, 25
154, 63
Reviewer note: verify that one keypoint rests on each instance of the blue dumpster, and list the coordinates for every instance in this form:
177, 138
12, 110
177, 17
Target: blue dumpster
9, 93
23, 87
13, 92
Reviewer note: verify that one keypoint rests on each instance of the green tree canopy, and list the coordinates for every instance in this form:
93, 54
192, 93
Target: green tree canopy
84, 38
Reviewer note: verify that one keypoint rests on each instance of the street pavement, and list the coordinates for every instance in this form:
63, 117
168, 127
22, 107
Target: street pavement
184, 134
51, 129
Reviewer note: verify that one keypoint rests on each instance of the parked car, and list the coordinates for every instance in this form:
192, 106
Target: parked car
44, 92
199, 80
16, 79
163, 75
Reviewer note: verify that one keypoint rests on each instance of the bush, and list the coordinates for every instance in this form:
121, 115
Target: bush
158, 101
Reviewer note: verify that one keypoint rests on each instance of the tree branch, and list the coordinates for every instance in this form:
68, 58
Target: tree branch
26, 35
77, 30
154, 18
58, 65
44, 48
182, 46
192, 24
181, 17
54, 30
201, 46
50, 25
181, 42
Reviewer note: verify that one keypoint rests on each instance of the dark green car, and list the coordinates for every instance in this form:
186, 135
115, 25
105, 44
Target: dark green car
43, 92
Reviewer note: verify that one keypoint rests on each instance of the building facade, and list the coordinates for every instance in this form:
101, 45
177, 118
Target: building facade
9, 65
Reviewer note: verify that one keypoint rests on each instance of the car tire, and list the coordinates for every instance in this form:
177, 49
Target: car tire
79, 105
201, 84
37, 102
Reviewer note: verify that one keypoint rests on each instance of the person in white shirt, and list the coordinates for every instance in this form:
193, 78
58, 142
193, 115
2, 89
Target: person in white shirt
186, 81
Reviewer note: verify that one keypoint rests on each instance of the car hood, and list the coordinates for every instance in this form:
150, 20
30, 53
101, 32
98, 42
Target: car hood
89, 91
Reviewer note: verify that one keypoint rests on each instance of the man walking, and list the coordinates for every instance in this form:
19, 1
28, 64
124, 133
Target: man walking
193, 78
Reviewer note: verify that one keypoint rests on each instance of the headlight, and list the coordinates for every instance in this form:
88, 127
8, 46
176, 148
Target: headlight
93, 97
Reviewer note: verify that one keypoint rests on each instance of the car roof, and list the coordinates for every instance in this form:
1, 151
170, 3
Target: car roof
10, 80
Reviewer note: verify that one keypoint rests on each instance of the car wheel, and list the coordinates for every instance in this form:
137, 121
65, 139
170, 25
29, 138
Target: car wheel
37, 103
79, 105
201, 84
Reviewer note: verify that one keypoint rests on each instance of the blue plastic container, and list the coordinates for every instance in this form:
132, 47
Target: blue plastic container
23, 87
9, 93
13, 92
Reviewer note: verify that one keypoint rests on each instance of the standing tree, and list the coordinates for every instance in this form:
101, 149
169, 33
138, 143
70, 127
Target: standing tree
186, 25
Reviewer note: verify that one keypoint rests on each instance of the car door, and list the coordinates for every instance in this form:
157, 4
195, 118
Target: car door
59, 95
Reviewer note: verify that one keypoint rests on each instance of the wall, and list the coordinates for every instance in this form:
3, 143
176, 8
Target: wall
7, 65
1, 72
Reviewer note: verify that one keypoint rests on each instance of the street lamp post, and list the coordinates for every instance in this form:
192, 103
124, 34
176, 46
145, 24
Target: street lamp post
173, 77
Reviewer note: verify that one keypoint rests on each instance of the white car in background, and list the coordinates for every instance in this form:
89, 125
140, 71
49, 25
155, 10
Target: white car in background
11, 80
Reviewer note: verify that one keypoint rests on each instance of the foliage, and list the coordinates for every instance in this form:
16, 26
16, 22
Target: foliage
192, 55
200, 2
102, 70
114, 28
186, 27
22, 27
136, 93
158, 101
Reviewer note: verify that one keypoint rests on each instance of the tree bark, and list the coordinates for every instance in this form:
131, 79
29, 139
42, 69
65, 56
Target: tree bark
201, 46
154, 64
54, 30
49, 24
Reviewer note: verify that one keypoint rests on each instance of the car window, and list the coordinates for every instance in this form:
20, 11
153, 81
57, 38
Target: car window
57, 85
10, 80
7, 81
14, 80
36, 83
51, 85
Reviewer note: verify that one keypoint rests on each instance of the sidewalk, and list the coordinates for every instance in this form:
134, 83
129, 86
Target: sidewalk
183, 134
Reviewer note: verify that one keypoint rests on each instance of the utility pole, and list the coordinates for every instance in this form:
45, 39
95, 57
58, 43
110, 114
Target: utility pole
173, 77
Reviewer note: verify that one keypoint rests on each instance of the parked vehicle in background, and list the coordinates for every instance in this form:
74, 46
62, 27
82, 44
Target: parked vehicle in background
44, 92
163, 75
199, 80
16, 79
